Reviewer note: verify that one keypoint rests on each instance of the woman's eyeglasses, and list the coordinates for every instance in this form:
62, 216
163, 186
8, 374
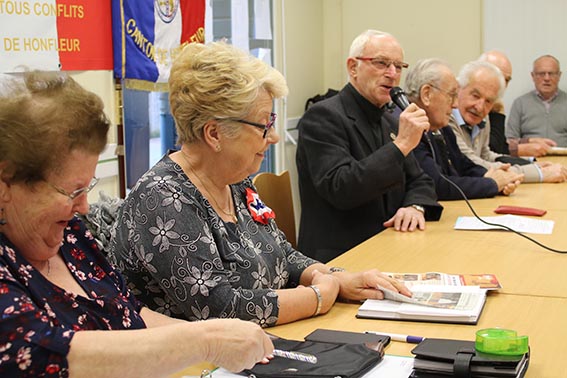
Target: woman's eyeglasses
265, 127
76, 193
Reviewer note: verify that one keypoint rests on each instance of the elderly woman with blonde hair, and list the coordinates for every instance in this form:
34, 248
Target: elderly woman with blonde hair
193, 237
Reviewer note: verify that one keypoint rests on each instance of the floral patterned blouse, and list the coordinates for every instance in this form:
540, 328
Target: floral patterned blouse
38, 319
182, 260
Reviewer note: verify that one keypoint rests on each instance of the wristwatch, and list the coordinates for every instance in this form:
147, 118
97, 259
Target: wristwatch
335, 269
419, 208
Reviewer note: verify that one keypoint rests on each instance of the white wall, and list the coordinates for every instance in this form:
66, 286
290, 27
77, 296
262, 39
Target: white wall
525, 30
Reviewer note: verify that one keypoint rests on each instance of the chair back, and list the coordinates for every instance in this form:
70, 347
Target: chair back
275, 191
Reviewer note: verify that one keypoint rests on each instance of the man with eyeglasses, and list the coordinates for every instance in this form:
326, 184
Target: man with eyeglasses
357, 172
432, 86
481, 86
516, 147
542, 112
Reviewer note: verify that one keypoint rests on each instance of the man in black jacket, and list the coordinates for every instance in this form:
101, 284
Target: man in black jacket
432, 86
357, 174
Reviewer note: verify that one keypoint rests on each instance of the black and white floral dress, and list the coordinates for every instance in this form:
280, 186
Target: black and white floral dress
182, 260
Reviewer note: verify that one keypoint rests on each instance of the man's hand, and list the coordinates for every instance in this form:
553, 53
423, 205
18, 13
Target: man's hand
406, 219
533, 149
546, 141
554, 173
413, 123
506, 180
536, 147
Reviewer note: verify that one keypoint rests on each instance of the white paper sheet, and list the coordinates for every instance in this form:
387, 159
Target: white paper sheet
390, 366
515, 222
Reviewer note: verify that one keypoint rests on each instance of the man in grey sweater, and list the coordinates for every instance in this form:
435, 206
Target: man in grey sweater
542, 112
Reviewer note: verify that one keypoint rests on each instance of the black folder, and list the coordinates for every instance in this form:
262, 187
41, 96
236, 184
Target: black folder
459, 358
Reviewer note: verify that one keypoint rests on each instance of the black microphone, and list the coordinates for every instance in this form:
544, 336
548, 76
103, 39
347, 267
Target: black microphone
399, 97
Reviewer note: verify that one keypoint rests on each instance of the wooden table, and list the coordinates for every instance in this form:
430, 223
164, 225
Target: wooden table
546, 196
533, 300
543, 319
521, 266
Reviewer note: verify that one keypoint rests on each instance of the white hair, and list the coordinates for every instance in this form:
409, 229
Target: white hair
362, 39
469, 69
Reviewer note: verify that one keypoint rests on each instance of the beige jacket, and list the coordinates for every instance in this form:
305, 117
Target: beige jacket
479, 151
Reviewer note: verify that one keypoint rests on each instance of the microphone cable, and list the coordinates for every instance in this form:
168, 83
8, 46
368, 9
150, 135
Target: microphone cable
480, 218
399, 98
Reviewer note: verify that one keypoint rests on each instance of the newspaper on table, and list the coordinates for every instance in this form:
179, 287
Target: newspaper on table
436, 296
433, 303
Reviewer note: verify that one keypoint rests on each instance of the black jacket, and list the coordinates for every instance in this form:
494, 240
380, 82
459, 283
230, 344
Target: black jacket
455, 166
349, 181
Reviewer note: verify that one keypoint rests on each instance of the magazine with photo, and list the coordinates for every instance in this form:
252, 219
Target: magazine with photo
484, 280
431, 303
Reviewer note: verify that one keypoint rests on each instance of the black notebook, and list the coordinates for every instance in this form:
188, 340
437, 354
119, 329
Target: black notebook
435, 357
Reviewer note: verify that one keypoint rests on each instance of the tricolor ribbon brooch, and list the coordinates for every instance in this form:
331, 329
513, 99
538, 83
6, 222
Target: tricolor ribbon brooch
258, 209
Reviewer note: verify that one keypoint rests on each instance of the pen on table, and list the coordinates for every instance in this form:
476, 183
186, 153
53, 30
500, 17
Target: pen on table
399, 337
295, 356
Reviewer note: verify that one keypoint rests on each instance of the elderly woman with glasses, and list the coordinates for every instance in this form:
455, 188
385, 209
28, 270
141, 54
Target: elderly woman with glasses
64, 310
193, 237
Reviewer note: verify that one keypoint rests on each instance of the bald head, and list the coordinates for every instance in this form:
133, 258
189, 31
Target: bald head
500, 60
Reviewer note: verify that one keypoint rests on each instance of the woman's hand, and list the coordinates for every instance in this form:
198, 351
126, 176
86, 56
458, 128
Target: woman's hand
328, 286
364, 285
235, 344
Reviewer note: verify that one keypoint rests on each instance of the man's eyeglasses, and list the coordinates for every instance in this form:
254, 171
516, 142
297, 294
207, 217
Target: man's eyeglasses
551, 74
452, 95
383, 64
76, 193
267, 127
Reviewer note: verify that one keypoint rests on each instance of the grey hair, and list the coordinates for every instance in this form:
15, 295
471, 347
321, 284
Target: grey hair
548, 56
425, 71
469, 69
362, 39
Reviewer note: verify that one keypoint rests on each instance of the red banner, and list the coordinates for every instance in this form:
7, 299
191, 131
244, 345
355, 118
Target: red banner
85, 34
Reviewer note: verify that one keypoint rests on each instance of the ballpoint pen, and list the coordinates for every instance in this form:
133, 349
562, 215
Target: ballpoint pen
295, 356
399, 337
